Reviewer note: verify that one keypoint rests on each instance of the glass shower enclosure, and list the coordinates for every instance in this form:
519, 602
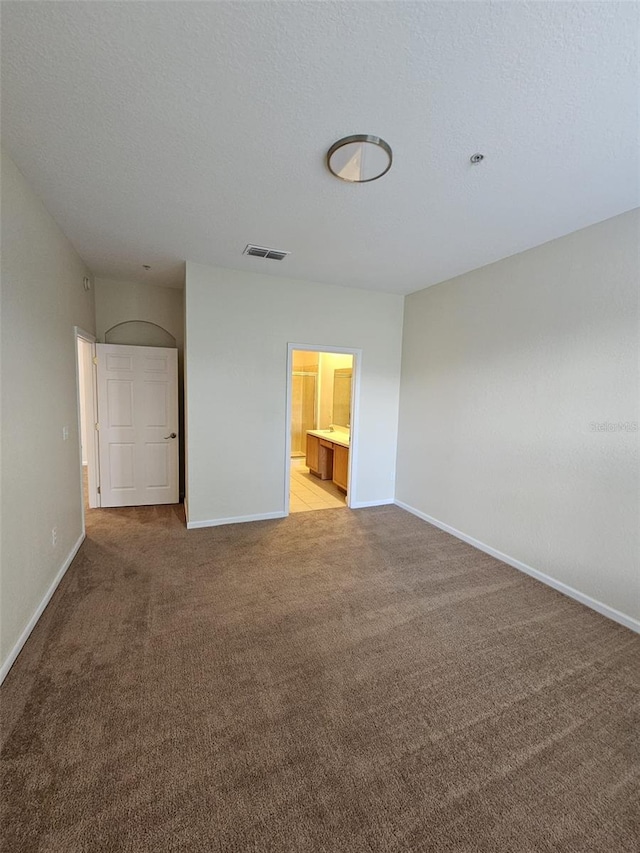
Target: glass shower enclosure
303, 409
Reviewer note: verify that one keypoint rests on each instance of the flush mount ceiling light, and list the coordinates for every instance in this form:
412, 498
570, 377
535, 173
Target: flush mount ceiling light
359, 159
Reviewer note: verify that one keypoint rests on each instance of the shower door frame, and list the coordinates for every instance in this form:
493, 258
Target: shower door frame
316, 376
355, 413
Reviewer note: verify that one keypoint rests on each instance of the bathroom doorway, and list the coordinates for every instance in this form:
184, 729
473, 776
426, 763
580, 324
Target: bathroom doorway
320, 445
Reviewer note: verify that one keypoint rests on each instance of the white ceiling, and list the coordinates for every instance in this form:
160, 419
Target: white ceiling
160, 132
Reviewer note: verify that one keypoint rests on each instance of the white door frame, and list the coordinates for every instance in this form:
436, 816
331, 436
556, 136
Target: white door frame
92, 405
137, 457
355, 412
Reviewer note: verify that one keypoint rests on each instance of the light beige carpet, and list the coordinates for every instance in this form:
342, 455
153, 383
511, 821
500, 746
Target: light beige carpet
334, 682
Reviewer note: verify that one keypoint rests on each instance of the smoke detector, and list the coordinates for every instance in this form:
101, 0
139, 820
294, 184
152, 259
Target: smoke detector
264, 252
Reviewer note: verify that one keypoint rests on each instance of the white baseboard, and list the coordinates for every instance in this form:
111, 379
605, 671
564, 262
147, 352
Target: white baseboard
238, 519
364, 504
31, 624
593, 603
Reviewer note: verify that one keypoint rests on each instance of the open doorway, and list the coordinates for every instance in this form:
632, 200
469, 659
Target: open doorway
320, 446
87, 418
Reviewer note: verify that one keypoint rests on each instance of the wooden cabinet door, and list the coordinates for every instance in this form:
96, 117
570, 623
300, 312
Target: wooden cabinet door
313, 450
325, 460
340, 466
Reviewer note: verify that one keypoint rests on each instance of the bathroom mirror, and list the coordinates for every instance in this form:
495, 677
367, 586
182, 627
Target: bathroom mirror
342, 397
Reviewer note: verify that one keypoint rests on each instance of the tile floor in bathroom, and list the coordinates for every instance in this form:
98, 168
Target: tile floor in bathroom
308, 492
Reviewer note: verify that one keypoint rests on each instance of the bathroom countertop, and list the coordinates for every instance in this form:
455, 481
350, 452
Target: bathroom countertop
337, 436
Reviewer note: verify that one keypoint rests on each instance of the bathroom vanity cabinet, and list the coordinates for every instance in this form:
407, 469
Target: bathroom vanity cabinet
327, 459
340, 466
320, 457
313, 457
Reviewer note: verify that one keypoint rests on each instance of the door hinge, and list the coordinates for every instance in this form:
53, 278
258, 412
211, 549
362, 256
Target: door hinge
99, 490
95, 359
97, 426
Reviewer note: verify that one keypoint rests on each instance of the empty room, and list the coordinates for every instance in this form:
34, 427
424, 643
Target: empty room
320, 460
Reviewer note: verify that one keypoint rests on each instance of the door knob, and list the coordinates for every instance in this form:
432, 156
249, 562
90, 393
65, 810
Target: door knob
173, 435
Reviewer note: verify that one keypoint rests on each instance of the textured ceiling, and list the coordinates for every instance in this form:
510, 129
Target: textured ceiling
160, 132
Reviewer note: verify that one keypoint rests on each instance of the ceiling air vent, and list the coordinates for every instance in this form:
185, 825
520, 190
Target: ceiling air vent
263, 252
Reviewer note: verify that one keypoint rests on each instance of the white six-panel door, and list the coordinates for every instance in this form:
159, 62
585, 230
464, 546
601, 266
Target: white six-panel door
138, 425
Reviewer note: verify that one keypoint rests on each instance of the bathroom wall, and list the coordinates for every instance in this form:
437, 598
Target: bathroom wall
324, 363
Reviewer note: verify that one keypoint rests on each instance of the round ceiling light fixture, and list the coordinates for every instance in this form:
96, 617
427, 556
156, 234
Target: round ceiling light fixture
360, 158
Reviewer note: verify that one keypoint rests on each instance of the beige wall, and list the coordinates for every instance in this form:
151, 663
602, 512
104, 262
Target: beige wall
507, 373
42, 299
238, 326
121, 301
